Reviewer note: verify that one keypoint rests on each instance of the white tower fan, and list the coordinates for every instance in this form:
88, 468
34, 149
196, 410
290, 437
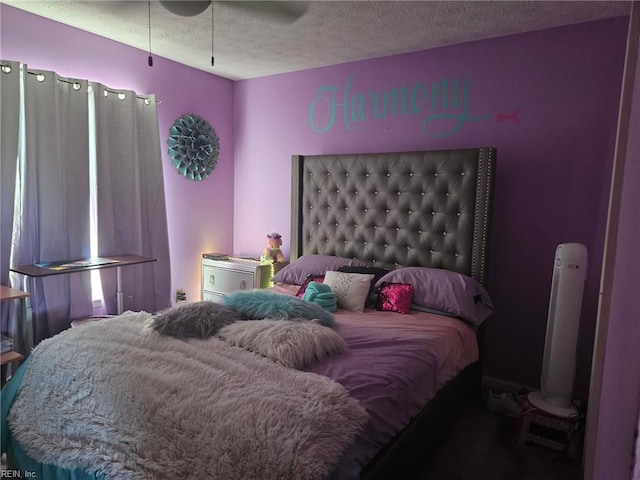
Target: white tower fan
563, 324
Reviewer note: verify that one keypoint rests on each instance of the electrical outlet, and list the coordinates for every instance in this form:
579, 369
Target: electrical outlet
181, 295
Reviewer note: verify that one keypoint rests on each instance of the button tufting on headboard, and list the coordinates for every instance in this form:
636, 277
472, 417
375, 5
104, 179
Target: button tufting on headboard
395, 209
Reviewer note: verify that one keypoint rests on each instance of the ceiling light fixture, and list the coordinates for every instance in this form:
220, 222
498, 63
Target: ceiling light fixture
186, 8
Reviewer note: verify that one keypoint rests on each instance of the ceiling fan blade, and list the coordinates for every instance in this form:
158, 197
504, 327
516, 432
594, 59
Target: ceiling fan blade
185, 8
283, 12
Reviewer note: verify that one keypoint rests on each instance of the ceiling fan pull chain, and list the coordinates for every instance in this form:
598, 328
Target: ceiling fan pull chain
212, 59
150, 60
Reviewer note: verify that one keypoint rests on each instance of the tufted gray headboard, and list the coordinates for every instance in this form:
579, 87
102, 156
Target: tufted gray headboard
427, 208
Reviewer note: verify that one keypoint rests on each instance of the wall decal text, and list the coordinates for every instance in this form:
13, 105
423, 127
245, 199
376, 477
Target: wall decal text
442, 105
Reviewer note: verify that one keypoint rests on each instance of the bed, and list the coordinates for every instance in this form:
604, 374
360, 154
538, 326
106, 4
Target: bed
428, 208
399, 213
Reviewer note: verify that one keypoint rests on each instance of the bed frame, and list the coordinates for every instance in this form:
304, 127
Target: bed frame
430, 208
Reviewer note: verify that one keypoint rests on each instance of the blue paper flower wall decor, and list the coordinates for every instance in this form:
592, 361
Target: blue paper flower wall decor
193, 147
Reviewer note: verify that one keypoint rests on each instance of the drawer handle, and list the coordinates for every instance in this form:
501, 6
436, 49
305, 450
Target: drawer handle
243, 284
212, 279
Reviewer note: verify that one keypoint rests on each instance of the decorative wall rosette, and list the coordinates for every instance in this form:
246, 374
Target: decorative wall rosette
193, 147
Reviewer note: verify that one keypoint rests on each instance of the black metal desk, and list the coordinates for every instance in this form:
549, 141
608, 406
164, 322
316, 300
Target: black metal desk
66, 267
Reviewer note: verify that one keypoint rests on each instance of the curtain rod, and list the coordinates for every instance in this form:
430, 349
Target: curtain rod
72, 82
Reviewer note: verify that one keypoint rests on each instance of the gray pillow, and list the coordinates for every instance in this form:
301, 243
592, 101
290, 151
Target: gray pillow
197, 319
293, 343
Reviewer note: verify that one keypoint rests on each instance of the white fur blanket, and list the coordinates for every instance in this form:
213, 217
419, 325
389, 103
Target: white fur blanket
114, 398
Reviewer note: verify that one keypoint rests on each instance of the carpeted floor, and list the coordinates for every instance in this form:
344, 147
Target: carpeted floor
483, 445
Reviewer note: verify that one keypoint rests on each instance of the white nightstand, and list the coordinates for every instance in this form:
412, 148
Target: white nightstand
223, 276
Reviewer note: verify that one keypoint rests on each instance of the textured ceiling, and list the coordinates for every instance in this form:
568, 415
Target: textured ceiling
248, 44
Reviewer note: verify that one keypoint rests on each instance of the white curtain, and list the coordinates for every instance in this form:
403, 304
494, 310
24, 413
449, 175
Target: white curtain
53, 211
49, 132
131, 214
10, 88
9, 123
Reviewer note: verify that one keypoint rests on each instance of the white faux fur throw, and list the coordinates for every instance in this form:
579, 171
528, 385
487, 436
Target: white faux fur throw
114, 398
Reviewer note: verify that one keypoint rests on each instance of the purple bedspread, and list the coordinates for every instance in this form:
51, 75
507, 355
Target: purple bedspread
395, 364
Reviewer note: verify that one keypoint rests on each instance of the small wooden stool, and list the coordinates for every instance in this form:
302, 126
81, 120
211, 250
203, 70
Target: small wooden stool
550, 431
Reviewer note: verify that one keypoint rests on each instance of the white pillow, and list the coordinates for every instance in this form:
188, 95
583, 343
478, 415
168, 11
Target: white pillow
351, 289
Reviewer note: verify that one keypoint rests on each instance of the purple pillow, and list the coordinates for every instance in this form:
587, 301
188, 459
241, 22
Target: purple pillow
296, 272
394, 297
450, 292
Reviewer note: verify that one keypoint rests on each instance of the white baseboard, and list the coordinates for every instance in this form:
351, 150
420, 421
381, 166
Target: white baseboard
498, 385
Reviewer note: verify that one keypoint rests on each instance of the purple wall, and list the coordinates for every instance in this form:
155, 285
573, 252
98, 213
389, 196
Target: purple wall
548, 101
199, 214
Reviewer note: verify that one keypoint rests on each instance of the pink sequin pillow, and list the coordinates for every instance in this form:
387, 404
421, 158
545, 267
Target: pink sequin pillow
394, 297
